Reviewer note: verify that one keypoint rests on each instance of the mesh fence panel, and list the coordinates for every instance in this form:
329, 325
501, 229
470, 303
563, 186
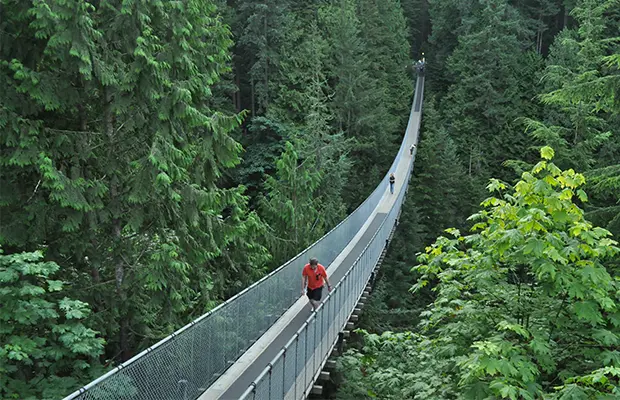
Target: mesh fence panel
301, 362
262, 389
290, 371
276, 379
310, 343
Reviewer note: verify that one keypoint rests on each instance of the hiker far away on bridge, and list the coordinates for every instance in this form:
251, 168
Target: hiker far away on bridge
411, 149
392, 181
421, 64
312, 277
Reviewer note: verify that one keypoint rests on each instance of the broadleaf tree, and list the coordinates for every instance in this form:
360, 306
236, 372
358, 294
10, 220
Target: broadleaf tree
47, 345
525, 306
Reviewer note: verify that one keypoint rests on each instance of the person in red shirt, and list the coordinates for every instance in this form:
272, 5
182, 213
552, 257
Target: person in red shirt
312, 277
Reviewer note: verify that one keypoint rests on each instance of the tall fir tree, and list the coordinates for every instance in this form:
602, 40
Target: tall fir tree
111, 157
440, 185
494, 83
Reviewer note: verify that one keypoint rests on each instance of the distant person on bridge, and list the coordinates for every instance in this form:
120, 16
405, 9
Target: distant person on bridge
411, 149
421, 64
312, 278
392, 181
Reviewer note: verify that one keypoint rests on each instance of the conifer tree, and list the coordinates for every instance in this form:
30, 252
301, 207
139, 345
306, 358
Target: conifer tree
290, 205
111, 157
493, 87
440, 183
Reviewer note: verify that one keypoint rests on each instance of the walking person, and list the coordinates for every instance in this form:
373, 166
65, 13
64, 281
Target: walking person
392, 181
411, 149
312, 277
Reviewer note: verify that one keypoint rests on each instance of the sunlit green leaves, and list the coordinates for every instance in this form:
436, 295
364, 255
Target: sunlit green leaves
40, 334
531, 280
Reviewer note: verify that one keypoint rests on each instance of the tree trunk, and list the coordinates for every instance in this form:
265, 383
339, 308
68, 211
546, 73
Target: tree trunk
266, 67
238, 92
119, 268
252, 94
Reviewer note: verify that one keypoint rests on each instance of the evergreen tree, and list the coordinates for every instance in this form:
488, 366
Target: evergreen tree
111, 157
445, 18
440, 184
263, 29
494, 85
417, 14
290, 205
541, 18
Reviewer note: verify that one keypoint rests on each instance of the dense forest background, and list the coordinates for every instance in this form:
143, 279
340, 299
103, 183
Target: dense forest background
159, 156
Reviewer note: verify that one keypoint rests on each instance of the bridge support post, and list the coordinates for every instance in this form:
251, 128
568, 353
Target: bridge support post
317, 389
340, 345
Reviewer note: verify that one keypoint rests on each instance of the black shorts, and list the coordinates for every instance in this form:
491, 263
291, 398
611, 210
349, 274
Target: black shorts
315, 294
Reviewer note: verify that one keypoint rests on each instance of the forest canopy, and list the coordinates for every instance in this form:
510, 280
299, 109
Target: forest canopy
157, 157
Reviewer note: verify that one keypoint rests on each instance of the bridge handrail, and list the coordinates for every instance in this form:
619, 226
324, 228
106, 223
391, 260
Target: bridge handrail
268, 381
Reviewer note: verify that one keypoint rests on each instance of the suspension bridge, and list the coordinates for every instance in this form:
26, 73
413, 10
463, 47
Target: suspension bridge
265, 343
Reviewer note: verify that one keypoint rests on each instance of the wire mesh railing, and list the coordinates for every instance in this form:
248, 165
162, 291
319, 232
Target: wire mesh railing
184, 364
292, 372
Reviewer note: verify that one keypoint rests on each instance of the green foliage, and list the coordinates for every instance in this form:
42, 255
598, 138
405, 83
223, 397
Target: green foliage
494, 82
290, 204
439, 182
263, 27
46, 342
112, 156
383, 369
582, 82
524, 307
